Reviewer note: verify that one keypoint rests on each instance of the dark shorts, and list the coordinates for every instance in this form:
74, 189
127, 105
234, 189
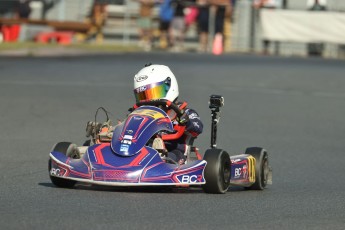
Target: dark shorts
164, 25
204, 17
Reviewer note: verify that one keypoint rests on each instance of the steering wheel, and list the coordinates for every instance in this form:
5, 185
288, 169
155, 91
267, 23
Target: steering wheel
168, 104
161, 102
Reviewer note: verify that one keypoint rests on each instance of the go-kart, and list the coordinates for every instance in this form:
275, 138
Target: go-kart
123, 155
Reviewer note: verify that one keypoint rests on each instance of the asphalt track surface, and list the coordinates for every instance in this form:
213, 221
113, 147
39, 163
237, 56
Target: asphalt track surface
295, 108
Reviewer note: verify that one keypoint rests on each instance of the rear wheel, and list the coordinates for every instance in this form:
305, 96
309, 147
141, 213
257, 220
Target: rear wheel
69, 150
261, 167
217, 171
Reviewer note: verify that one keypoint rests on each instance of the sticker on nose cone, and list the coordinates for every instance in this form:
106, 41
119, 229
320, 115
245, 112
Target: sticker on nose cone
190, 179
124, 148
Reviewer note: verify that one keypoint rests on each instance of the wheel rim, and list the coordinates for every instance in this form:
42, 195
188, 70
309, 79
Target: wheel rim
226, 173
74, 154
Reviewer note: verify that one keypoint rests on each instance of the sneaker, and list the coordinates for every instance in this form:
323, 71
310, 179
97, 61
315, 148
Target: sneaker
158, 144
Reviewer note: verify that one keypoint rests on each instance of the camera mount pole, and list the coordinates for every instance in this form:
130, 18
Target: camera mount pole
215, 120
216, 101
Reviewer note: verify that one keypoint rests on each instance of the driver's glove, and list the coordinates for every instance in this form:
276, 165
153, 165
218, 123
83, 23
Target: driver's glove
183, 119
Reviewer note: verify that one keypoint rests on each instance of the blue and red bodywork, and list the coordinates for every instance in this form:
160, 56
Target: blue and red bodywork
242, 170
127, 160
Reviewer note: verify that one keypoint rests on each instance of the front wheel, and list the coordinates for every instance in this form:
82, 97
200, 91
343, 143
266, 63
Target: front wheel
69, 150
262, 169
217, 171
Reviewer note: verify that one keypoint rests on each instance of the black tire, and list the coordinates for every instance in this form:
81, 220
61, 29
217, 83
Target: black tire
261, 167
87, 143
69, 150
217, 172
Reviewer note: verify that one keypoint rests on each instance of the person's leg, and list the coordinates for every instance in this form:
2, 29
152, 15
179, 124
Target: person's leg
218, 38
266, 44
220, 16
177, 156
163, 38
177, 31
180, 32
203, 28
147, 33
140, 30
173, 31
203, 40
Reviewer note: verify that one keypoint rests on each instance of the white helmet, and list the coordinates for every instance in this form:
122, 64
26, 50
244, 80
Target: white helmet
155, 82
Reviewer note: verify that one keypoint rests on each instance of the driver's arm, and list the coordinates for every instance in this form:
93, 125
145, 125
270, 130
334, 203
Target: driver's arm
194, 124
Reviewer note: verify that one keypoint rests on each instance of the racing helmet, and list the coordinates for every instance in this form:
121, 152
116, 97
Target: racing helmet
155, 82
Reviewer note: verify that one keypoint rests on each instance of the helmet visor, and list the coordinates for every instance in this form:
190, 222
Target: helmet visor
152, 91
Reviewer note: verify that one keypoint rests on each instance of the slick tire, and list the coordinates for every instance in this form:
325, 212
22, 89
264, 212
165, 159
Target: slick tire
261, 167
87, 143
217, 172
69, 150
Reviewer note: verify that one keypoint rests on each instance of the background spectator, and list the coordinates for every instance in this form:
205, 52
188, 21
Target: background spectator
317, 5
219, 8
203, 18
145, 23
166, 13
8, 8
47, 5
316, 49
267, 4
177, 25
24, 9
97, 18
191, 14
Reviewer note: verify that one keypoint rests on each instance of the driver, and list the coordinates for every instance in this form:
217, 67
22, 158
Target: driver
158, 82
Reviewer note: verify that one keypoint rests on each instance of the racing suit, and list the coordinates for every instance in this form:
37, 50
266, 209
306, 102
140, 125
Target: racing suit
177, 149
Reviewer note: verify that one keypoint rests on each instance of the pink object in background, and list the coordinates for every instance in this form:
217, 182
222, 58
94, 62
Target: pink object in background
217, 48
